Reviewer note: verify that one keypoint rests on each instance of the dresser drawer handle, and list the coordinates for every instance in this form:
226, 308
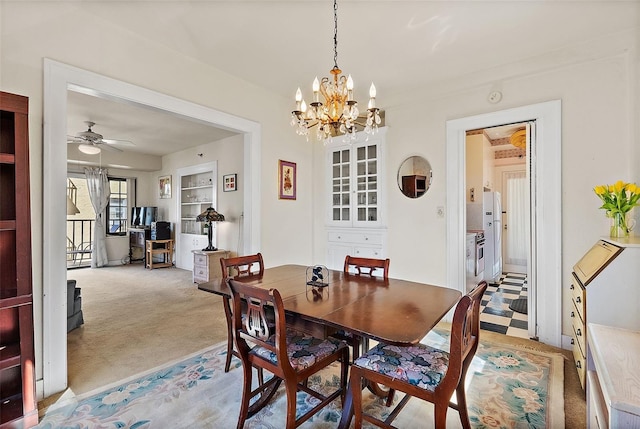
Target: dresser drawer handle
571, 287
572, 341
578, 300
573, 314
579, 332
578, 364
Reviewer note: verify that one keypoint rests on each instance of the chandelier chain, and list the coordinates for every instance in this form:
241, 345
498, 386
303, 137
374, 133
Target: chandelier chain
335, 34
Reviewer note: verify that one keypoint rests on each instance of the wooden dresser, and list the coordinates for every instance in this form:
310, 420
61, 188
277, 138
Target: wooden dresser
206, 265
605, 289
613, 377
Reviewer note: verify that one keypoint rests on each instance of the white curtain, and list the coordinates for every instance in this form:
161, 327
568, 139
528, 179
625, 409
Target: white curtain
516, 251
99, 192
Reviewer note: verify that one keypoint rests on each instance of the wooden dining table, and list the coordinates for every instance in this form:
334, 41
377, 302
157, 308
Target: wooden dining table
392, 311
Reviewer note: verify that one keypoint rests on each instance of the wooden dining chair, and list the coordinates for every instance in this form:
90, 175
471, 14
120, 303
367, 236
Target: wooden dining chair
361, 266
368, 266
423, 371
237, 268
290, 356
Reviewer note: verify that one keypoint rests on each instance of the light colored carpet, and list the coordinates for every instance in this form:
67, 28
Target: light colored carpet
137, 319
507, 388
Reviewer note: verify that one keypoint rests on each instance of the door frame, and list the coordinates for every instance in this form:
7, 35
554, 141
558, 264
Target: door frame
58, 79
546, 240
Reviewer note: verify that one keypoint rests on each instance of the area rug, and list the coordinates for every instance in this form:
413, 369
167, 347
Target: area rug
507, 387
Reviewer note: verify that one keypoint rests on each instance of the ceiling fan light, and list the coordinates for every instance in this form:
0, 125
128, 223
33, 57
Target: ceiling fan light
89, 149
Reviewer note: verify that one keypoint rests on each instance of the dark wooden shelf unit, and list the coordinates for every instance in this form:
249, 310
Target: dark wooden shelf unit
17, 370
414, 186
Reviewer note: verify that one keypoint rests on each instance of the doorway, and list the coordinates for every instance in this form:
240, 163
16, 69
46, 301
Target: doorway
545, 247
58, 79
498, 194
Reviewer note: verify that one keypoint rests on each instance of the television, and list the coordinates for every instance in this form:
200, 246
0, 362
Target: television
143, 216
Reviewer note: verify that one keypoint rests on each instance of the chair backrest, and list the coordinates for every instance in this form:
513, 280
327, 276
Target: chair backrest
250, 321
465, 331
242, 266
366, 266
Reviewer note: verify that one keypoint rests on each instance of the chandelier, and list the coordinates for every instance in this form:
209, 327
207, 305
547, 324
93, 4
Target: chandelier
338, 113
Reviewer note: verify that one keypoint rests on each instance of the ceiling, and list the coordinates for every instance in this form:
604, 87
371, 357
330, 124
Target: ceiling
407, 48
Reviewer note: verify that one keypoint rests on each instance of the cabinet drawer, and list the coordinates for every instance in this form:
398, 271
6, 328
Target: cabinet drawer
579, 362
200, 259
579, 335
578, 295
355, 237
368, 252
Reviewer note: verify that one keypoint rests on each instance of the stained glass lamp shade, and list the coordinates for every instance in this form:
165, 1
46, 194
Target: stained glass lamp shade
210, 215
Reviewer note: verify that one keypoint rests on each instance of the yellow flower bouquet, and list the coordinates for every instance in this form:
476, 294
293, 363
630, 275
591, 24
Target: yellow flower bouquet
618, 199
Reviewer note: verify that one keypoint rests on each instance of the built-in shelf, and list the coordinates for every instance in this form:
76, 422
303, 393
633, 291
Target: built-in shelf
17, 368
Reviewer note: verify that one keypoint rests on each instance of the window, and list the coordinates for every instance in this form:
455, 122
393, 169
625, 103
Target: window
118, 207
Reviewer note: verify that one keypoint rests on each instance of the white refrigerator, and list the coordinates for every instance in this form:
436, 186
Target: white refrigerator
492, 225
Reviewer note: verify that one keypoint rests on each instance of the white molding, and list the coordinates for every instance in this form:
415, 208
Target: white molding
547, 211
58, 79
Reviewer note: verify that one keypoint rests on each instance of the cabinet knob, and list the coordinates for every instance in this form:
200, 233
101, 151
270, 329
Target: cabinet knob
578, 364
573, 314
579, 332
366, 238
578, 300
573, 341
571, 287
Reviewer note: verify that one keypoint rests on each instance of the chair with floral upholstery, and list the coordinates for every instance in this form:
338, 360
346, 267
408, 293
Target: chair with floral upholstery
423, 371
237, 268
290, 356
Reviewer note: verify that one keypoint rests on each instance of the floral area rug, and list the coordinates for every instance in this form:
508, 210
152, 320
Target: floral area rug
507, 387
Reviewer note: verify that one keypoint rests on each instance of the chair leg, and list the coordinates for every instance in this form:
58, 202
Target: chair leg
291, 388
440, 414
355, 382
227, 313
461, 397
247, 369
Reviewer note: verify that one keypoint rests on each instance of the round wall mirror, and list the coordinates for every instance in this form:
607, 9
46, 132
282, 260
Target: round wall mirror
414, 176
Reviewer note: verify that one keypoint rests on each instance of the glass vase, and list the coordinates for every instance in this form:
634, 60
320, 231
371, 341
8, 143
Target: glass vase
620, 225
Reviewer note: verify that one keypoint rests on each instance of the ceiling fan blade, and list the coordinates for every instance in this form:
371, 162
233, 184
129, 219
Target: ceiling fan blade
74, 139
122, 142
108, 147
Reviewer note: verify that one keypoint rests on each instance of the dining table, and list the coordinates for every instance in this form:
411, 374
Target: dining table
392, 311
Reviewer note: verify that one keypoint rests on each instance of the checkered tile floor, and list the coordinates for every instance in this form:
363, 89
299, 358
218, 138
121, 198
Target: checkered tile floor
495, 314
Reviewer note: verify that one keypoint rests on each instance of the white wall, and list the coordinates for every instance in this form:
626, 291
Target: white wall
229, 155
31, 32
598, 119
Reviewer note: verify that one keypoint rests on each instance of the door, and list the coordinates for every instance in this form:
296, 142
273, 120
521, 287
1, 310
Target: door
514, 226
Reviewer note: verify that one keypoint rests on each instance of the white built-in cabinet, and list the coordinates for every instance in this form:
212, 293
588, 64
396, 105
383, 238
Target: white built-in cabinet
197, 191
356, 211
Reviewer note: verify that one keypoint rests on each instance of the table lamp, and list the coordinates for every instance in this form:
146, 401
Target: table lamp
210, 215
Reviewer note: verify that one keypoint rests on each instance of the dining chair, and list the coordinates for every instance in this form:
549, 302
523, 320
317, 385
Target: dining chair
290, 356
238, 267
366, 266
423, 371
361, 266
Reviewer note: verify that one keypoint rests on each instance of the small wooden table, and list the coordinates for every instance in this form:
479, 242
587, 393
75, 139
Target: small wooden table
392, 311
162, 248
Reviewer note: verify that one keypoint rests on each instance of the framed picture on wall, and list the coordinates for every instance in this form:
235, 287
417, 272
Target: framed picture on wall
165, 186
230, 182
286, 180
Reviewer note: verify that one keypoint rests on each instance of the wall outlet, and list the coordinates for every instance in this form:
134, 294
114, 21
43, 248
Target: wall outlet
440, 211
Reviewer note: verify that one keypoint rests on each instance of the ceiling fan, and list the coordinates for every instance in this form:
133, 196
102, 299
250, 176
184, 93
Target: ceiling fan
91, 142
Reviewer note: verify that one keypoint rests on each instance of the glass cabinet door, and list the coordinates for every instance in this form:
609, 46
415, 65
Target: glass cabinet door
354, 182
367, 183
341, 185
